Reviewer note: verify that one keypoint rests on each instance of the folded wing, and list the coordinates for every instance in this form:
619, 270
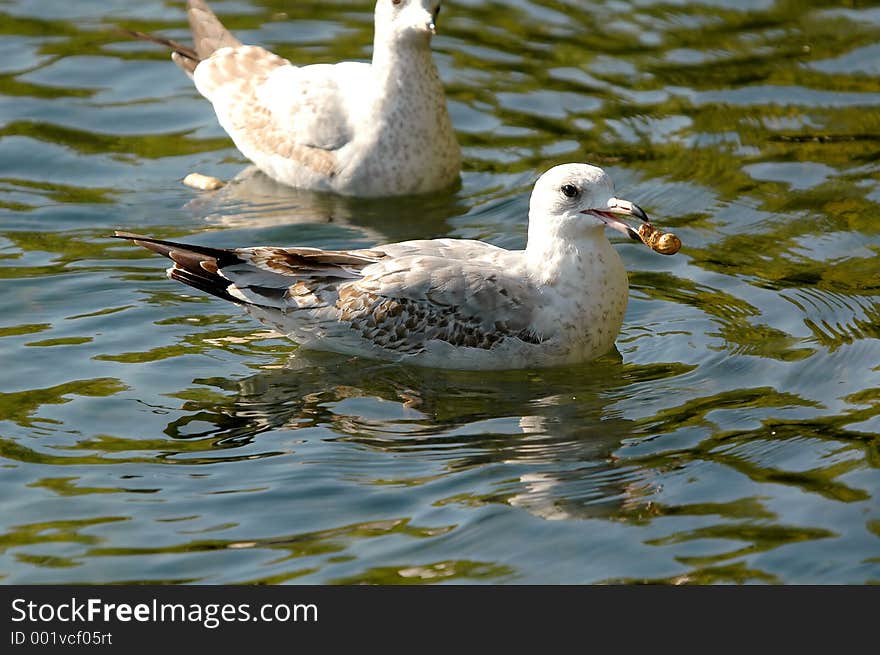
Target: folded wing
397, 303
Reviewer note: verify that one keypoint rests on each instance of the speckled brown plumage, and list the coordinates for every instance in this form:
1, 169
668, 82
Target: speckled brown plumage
405, 325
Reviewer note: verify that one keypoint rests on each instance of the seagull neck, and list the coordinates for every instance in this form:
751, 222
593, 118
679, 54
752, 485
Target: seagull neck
553, 255
398, 66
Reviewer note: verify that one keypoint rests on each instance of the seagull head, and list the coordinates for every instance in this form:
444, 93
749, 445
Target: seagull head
575, 199
407, 20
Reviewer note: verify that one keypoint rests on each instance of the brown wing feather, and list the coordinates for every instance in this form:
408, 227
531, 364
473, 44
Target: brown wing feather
231, 80
405, 325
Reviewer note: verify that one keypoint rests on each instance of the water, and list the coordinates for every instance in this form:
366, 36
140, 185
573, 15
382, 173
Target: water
152, 434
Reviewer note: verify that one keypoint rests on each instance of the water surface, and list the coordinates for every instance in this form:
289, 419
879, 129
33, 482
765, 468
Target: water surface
151, 434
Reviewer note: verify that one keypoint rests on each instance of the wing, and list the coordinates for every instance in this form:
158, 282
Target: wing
399, 304
403, 303
270, 107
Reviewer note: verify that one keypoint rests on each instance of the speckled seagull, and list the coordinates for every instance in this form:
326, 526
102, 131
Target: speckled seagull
448, 303
353, 128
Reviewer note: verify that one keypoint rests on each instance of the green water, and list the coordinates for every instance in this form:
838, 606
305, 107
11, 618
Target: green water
151, 434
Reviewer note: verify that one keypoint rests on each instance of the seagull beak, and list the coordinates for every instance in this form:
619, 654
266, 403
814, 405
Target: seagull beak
617, 207
627, 208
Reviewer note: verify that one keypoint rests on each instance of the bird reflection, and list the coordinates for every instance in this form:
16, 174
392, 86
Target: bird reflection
253, 200
557, 430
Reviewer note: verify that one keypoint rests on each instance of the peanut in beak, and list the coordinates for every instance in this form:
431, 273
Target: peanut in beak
666, 243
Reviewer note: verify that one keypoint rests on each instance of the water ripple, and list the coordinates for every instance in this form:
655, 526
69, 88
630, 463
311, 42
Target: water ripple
149, 434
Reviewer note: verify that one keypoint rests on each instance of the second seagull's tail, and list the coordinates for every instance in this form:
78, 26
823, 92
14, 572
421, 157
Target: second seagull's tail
208, 33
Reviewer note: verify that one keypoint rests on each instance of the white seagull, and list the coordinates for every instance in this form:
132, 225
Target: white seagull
448, 303
356, 129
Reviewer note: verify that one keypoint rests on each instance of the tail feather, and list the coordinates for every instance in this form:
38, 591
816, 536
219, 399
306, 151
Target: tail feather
260, 277
208, 32
196, 266
213, 284
183, 56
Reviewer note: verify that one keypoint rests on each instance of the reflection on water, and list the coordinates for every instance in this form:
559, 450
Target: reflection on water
151, 434
252, 200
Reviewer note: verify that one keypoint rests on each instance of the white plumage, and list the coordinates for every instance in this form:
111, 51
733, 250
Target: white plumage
359, 129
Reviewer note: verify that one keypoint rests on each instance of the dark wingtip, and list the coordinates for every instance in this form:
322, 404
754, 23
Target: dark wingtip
134, 34
197, 266
183, 51
122, 234
163, 248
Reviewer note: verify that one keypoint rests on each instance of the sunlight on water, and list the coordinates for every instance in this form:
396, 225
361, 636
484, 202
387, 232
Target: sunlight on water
151, 434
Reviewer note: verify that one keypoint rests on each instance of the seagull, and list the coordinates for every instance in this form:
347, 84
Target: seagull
352, 128
443, 303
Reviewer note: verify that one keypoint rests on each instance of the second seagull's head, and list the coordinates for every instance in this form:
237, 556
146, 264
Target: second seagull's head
406, 21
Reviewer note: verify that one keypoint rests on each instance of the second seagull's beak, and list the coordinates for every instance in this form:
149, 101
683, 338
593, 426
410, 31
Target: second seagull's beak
432, 24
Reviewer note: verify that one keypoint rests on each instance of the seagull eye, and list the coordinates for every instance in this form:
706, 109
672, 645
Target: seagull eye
396, 2
569, 190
